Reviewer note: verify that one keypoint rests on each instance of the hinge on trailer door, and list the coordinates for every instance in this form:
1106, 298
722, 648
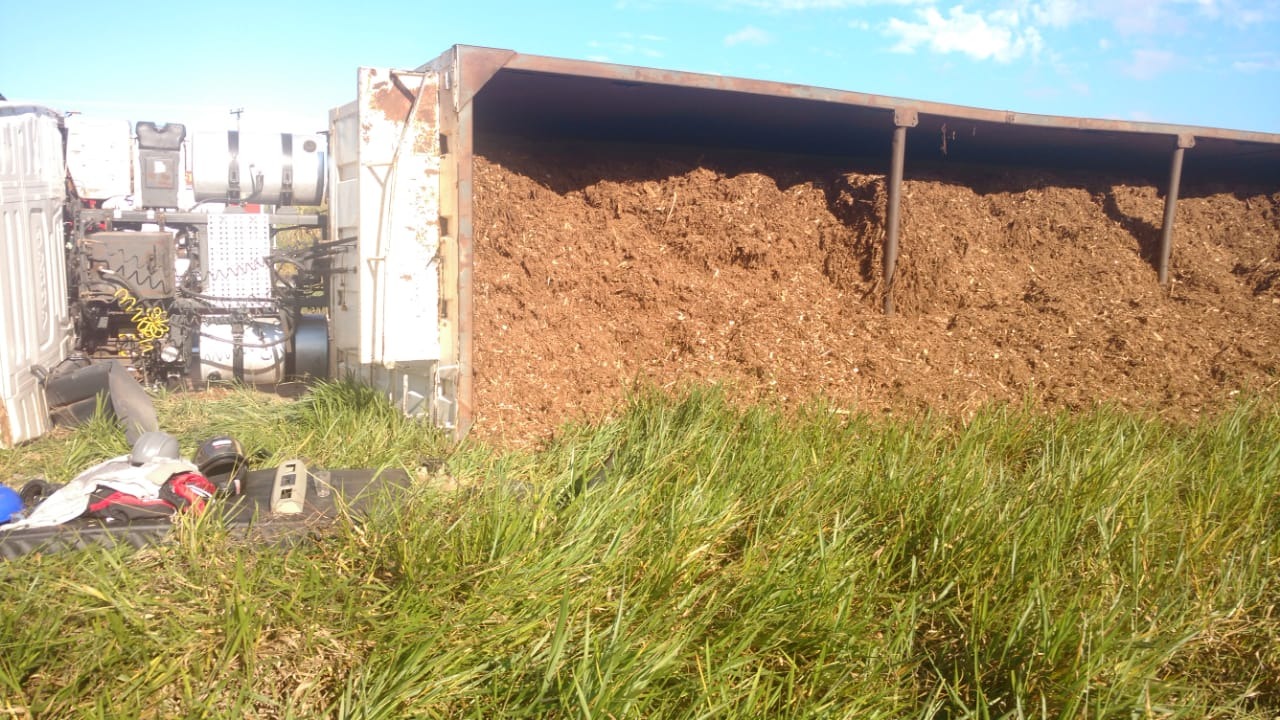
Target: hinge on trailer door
444, 408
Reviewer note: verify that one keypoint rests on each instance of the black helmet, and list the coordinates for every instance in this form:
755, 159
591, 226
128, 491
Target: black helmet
221, 459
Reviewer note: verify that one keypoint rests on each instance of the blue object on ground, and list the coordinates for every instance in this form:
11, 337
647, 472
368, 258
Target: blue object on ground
10, 503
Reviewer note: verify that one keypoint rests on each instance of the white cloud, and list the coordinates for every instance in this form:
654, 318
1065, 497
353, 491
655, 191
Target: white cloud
1146, 64
802, 5
1007, 30
1239, 13
1145, 17
1130, 17
749, 35
1208, 8
1257, 62
995, 36
1056, 13
1248, 14
1126, 16
625, 46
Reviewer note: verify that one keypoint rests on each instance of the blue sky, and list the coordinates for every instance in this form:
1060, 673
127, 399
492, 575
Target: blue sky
1195, 62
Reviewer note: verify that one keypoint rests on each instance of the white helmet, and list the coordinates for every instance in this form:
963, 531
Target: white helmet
152, 445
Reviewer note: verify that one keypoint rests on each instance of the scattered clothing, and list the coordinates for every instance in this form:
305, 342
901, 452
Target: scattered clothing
118, 474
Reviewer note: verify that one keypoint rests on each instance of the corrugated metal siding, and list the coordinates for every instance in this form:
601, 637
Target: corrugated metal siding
34, 321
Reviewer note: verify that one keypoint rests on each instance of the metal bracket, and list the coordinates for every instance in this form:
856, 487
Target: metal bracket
445, 408
903, 117
233, 166
286, 170
1186, 141
474, 68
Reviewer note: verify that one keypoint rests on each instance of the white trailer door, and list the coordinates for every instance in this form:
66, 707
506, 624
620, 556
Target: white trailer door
399, 206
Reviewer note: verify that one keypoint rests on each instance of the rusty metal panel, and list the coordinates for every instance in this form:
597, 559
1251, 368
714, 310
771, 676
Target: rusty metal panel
453, 319
465, 262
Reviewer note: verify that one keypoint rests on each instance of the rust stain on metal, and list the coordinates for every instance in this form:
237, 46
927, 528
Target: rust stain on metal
425, 142
6, 435
393, 104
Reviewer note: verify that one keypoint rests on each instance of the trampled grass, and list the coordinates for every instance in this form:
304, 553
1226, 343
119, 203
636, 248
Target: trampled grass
690, 559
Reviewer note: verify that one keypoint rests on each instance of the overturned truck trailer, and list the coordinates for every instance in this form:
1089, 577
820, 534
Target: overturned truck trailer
403, 182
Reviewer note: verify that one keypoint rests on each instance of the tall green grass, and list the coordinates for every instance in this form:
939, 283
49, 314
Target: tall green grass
693, 559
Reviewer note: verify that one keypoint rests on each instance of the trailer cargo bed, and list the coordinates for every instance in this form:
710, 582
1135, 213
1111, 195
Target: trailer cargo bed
589, 226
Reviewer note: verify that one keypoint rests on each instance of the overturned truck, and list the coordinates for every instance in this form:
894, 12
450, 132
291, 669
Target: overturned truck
133, 251
565, 230
512, 241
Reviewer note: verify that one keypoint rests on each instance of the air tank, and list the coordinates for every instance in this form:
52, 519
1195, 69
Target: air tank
252, 352
256, 167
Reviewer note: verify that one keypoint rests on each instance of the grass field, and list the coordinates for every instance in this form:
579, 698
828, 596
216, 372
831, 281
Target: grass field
686, 560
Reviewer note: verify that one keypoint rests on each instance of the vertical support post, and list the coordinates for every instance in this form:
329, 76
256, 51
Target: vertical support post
466, 272
902, 119
1171, 204
465, 70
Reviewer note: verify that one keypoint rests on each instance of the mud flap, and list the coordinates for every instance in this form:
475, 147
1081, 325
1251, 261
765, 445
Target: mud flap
73, 397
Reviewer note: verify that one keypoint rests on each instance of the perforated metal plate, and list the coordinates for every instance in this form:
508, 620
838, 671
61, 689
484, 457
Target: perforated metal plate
235, 265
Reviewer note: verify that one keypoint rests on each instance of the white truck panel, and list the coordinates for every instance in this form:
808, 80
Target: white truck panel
35, 327
399, 226
100, 157
344, 216
385, 196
